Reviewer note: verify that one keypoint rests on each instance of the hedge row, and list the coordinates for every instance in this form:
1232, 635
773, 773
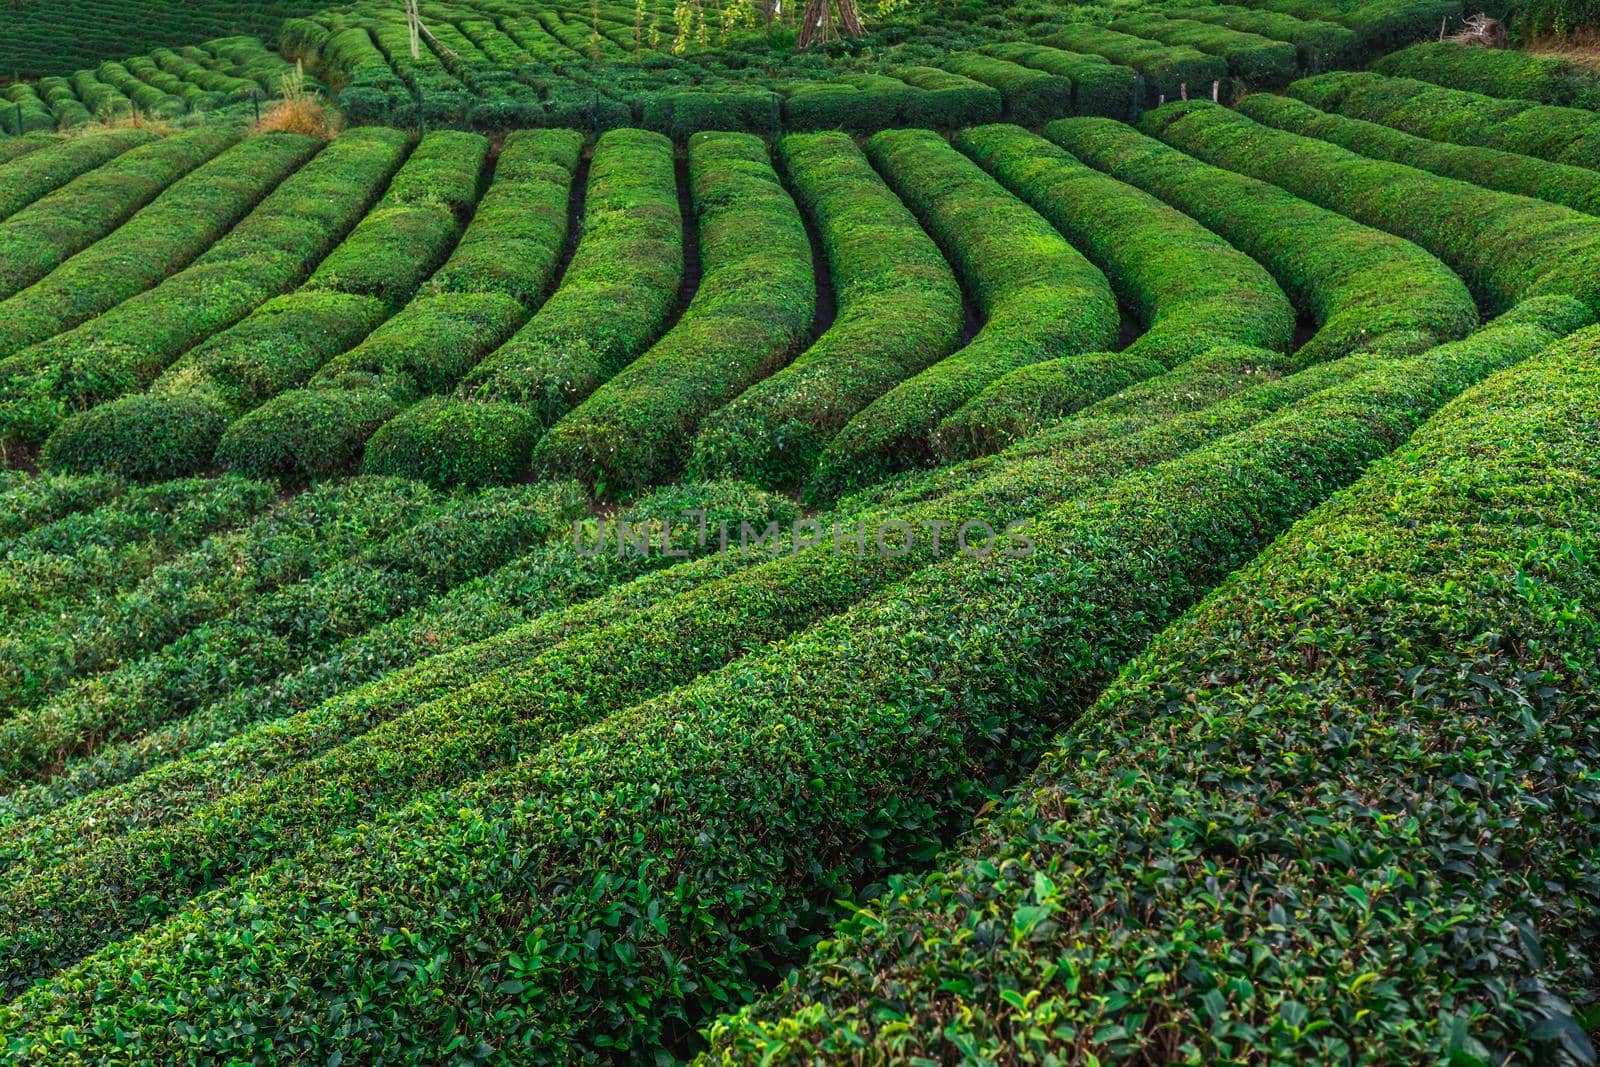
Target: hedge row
1214, 788
1380, 25
286, 544
44, 172
530, 910
1558, 134
266, 636
1168, 70
39, 238
1098, 87
163, 238
1253, 59
174, 429
503, 265
867, 103
1508, 172
1507, 248
16, 147
558, 589
52, 569
1040, 298
750, 314
1318, 45
613, 300
530, 690
1030, 96
1364, 289
947, 98
1189, 288
269, 251
1506, 73
899, 310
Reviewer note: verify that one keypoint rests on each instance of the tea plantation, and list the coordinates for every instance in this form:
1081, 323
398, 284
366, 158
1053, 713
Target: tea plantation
1035, 533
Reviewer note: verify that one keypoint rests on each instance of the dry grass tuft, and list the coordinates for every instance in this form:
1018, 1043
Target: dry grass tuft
1580, 47
299, 110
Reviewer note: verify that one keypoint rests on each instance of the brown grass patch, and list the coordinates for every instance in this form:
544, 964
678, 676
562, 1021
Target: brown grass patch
299, 110
1580, 47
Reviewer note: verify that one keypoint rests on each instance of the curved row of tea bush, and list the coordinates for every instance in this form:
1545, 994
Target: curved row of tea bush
549, 594
1258, 775
1031, 96
498, 273
1508, 172
287, 543
1318, 45
267, 252
1379, 25
1190, 289
1559, 134
899, 310
1098, 87
170, 233
1363, 288
1507, 248
41, 237
1041, 299
44, 172
461, 539
1168, 70
613, 301
1503, 72
825, 759
1252, 58
530, 689
750, 314
27, 501
174, 429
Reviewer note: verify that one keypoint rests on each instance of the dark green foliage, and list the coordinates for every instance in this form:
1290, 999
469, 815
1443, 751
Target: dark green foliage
1507, 248
1031, 97
27, 501
899, 311
1261, 774
749, 316
1041, 299
1495, 72
1253, 59
1098, 87
947, 100
1318, 45
1574, 187
43, 172
1559, 134
307, 434
41, 237
835, 736
1364, 289
679, 114
269, 251
1168, 70
146, 437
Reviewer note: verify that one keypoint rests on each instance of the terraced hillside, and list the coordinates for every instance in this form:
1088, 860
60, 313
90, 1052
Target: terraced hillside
983, 559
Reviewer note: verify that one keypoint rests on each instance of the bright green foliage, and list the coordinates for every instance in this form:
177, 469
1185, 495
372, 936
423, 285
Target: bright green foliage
1507, 248
1253, 59
176, 228
949, 97
498, 273
1560, 134
44, 172
1574, 187
1318, 749
1041, 300
1495, 72
899, 311
41, 237
1318, 45
748, 317
612, 302
26, 501
270, 250
1364, 289
1189, 288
